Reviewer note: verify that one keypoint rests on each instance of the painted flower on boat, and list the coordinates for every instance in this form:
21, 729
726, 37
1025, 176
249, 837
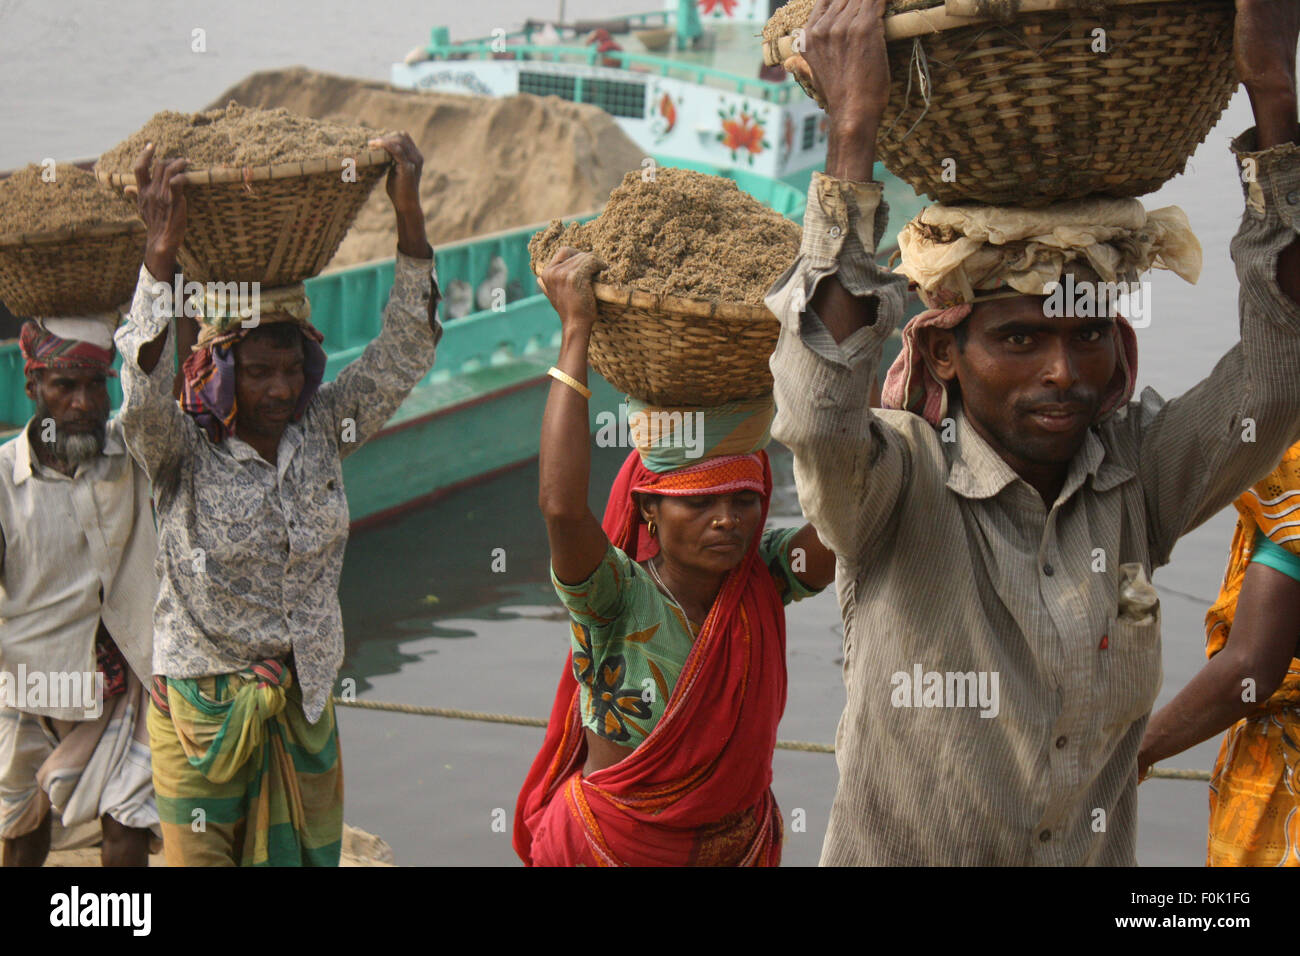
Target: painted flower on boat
668, 111
742, 133
724, 8
789, 134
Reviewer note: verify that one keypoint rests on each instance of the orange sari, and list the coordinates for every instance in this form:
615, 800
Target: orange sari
1254, 804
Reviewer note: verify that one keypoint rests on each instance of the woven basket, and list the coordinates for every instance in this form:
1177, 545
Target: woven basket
276, 225
669, 350
76, 271
1027, 114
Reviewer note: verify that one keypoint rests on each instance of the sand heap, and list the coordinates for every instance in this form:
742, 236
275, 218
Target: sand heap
74, 198
489, 164
237, 135
683, 233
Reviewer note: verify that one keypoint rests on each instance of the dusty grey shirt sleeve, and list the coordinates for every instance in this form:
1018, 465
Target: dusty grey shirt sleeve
1199, 451
372, 386
848, 465
156, 431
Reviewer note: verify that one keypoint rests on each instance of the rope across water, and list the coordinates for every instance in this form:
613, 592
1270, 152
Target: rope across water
805, 746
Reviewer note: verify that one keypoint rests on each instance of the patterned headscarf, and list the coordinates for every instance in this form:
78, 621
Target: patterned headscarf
81, 345
208, 393
713, 476
669, 438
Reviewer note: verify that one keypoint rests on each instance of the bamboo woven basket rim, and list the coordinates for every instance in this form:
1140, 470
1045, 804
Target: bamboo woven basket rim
220, 175
953, 15
628, 297
98, 230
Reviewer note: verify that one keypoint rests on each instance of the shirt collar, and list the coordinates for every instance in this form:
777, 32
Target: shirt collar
290, 441
23, 454
24, 461
977, 471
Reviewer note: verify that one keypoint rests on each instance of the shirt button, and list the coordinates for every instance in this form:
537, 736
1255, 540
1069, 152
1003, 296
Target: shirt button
1060, 742
291, 523
1048, 570
289, 614
1293, 197
835, 232
1045, 836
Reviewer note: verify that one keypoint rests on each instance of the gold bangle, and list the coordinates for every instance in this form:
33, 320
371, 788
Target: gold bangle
570, 381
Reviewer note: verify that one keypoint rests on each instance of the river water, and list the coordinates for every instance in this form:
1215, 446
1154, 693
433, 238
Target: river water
427, 619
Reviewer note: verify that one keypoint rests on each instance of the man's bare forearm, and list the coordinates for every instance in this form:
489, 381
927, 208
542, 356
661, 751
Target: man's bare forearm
1260, 646
1208, 705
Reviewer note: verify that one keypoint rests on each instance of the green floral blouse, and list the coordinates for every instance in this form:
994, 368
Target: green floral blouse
630, 642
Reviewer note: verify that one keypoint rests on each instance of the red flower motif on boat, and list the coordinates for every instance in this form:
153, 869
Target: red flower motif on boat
668, 111
727, 7
742, 134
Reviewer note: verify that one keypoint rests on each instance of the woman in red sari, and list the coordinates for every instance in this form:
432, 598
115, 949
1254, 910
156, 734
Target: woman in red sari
659, 746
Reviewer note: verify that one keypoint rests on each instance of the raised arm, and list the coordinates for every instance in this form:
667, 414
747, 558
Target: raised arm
367, 393
1198, 451
578, 543
845, 53
155, 429
836, 306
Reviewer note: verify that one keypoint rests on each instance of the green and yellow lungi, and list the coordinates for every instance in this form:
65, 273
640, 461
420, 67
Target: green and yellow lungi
241, 777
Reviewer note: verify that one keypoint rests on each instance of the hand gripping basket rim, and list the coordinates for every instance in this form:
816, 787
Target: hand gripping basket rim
656, 346
218, 175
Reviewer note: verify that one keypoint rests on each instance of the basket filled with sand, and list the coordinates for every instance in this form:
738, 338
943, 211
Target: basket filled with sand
689, 259
269, 195
69, 246
1041, 101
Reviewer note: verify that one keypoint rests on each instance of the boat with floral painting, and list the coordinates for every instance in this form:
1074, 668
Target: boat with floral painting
685, 83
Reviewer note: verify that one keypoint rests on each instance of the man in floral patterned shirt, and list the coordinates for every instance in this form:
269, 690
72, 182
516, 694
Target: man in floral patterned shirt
253, 520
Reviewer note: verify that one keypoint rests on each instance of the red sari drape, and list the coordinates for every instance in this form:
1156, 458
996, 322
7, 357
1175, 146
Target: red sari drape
697, 791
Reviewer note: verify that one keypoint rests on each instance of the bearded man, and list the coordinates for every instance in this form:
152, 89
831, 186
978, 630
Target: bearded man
77, 589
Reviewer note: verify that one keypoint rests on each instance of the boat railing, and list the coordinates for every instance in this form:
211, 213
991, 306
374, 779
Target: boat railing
347, 305
643, 63
625, 23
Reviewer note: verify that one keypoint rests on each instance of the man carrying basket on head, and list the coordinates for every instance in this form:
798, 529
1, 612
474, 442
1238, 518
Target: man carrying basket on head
1004, 514
252, 525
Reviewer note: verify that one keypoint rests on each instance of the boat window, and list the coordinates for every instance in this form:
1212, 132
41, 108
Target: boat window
615, 97
546, 84
809, 131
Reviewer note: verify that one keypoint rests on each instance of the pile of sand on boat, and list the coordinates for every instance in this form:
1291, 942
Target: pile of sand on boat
489, 163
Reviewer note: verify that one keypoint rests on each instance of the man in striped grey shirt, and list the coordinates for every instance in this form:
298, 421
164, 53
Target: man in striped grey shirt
1001, 639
